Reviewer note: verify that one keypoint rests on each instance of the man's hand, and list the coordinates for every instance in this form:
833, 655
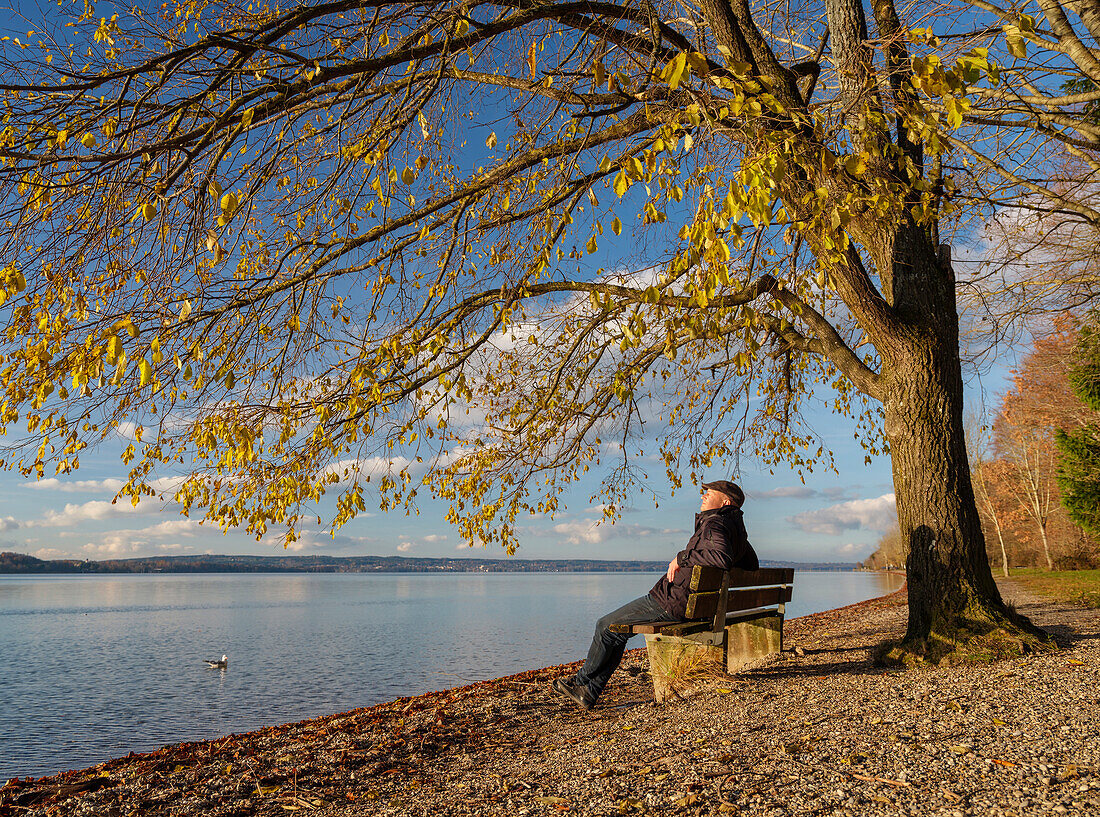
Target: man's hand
673, 566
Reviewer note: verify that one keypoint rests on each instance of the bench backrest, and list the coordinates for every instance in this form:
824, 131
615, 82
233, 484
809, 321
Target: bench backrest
716, 592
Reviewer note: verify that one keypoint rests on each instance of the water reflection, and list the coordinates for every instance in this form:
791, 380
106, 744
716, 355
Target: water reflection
95, 667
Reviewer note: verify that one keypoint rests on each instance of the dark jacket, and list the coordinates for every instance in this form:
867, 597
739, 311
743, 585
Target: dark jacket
719, 540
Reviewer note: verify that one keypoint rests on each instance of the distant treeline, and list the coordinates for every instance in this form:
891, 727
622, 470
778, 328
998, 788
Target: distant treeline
20, 563
1033, 465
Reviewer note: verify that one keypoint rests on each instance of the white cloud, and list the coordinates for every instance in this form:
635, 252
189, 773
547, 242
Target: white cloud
855, 549
318, 539
8, 523
94, 486
127, 540
877, 514
111, 548
351, 469
50, 553
432, 538
585, 532
174, 527
785, 492
405, 547
78, 486
577, 532
127, 430
95, 510
167, 485
170, 527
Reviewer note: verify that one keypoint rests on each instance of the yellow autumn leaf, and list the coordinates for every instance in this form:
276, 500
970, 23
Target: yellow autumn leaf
88, 140
674, 71
1017, 46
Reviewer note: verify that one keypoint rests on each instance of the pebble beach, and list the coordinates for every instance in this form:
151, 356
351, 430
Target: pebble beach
818, 730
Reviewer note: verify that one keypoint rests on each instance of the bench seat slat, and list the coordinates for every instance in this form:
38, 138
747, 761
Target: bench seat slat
705, 578
685, 627
704, 605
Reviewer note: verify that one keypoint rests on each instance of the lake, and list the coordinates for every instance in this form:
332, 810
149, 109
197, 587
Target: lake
97, 666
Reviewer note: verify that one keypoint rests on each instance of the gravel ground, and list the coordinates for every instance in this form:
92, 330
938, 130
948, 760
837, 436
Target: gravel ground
819, 730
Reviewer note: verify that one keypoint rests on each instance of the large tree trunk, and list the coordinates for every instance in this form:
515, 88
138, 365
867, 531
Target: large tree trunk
947, 568
952, 595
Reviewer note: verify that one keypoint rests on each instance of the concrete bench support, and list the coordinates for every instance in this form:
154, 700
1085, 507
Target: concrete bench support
749, 641
676, 662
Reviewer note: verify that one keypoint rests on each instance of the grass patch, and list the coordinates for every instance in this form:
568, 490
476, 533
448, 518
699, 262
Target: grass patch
1075, 586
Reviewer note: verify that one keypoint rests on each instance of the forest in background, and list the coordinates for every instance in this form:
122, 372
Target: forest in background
1023, 468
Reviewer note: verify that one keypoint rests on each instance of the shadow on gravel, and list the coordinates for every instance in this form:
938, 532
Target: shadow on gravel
820, 650
832, 668
1066, 636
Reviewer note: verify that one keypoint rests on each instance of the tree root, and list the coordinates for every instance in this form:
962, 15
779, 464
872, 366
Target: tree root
968, 641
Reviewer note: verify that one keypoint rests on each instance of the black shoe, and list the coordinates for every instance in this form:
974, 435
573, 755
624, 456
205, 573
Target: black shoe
574, 691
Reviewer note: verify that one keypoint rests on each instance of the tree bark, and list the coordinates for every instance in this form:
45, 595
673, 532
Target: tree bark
952, 594
950, 583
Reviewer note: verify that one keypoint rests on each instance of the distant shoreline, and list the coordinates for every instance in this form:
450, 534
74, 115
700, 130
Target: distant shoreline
21, 564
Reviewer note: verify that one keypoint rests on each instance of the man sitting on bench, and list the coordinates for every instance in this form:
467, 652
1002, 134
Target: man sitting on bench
719, 541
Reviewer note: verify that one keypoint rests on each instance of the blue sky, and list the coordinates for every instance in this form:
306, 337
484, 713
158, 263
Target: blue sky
831, 517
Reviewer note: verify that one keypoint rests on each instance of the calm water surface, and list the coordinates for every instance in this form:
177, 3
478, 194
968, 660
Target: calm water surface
93, 667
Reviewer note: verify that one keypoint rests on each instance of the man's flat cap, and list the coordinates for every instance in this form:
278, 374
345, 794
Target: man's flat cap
730, 489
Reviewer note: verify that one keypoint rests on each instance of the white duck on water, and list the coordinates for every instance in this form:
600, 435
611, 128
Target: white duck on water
222, 664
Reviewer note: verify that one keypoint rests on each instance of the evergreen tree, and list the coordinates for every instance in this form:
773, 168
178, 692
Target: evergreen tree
1079, 469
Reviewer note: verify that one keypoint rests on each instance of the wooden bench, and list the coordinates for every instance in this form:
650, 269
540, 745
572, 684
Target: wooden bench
735, 617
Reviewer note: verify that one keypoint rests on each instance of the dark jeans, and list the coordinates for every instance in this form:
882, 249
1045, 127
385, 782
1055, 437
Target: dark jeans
607, 647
